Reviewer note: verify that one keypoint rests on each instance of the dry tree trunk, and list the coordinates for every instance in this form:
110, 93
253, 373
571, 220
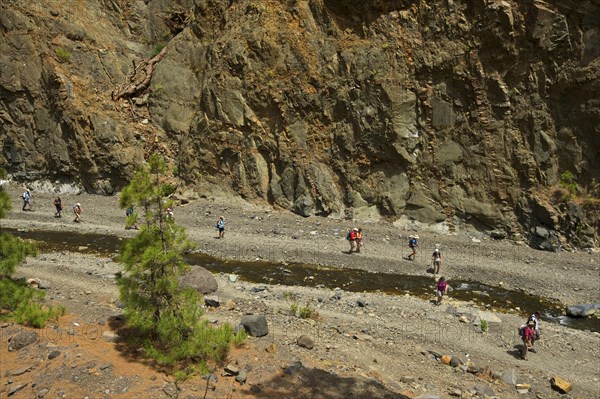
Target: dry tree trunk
139, 83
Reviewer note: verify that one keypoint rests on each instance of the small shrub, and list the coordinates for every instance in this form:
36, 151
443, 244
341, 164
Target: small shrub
484, 325
23, 304
240, 337
168, 189
63, 54
156, 50
567, 181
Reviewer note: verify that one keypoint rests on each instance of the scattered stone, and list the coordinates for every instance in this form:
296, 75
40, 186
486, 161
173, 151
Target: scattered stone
455, 361
560, 384
446, 359
105, 366
509, 377
255, 325
498, 235
229, 305
22, 370
407, 379
259, 288
485, 390
241, 377
233, 278
54, 354
212, 302
42, 392
101, 322
293, 368
464, 319
16, 389
428, 396
304, 341
43, 285
110, 336
435, 354
22, 339
255, 389
271, 348
361, 302
232, 369
210, 377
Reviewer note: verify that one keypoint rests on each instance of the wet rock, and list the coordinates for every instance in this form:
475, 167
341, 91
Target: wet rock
583, 310
304, 341
255, 325
560, 384
22, 339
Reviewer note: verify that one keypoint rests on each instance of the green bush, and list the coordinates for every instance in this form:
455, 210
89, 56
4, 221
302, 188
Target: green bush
567, 181
63, 54
484, 325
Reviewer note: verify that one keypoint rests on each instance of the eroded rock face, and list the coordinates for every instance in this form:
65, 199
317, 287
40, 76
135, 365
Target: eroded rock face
455, 112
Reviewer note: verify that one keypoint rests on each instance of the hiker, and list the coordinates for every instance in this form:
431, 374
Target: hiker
359, 239
58, 205
527, 332
441, 288
436, 259
26, 200
131, 218
77, 211
221, 226
169, 214
535, 318
412, 244
351, 237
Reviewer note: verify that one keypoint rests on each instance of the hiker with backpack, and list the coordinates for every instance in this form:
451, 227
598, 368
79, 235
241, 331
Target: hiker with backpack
351, 236
131, 222
220, 226
441, 289
359, 240
436, 259
26, 200
58, 205
412, 244
535, 318
527, 333
77, 210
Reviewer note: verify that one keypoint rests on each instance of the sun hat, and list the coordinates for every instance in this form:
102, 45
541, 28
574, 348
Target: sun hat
78, 204
417, 237
355, 229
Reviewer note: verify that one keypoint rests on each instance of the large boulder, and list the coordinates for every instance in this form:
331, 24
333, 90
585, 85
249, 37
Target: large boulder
256, 325
200, 279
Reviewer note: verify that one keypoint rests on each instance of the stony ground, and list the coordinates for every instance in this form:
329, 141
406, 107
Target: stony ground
366, 345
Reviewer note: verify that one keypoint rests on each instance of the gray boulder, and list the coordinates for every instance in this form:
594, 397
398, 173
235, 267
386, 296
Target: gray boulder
583, 310
22, 339
200, 279
256, 325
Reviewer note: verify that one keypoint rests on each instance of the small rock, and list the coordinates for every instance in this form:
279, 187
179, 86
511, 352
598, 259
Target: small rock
110, 336
21, 370
304, 341
293, 368
16, 389
22, 339
42, 392
560, 384
361, 302
241, 377
509, 377
455, 361
232, 369
212, 302
446, 359
54, 354
255, 325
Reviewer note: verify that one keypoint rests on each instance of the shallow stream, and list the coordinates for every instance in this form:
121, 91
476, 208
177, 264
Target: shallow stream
354, 280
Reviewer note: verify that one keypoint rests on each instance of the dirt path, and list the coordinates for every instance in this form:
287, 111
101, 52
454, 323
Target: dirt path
366, 344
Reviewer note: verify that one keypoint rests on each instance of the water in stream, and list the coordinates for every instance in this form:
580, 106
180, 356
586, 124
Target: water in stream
354, 280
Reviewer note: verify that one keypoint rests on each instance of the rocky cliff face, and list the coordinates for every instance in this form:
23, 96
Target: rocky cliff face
442, 112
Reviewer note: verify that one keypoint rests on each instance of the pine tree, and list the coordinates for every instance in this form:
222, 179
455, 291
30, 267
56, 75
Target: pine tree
165, 314
22, 303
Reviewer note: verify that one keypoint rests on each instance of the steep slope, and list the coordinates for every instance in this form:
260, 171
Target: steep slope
446, 112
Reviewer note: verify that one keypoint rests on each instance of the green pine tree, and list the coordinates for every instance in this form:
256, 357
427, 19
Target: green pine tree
19, 302
166, 316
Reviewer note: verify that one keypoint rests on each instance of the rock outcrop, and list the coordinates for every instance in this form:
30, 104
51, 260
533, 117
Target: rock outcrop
452, 112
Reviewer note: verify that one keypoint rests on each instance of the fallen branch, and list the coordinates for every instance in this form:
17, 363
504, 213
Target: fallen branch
138, 84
